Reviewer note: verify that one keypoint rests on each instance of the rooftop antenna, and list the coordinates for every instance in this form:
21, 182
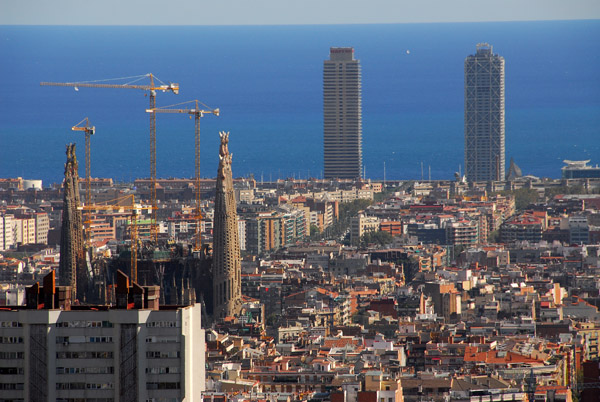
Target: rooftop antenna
421, 170
384, 174
429, 172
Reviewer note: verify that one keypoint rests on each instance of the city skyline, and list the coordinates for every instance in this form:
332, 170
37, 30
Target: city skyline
405, 98
345, 288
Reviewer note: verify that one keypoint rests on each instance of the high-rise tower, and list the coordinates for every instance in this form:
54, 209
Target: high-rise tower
227, 282
72, 255
484, 115
342, 115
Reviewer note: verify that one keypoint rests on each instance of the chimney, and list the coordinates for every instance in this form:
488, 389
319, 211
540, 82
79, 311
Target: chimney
151, 297
49, 296
31, 296
137, 293
49, 290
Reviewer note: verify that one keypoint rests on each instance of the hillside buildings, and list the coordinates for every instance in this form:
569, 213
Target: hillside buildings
484, 115
342, 115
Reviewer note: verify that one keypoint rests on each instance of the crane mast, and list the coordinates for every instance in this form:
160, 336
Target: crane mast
115, 204
197, 113
152, 89
88, 130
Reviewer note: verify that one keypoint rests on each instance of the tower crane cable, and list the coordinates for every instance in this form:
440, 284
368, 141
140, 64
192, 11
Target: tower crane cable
133, 226
197, 113
173, 87
88, 131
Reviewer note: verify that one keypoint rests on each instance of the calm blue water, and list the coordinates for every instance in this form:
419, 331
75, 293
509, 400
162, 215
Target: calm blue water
267, 81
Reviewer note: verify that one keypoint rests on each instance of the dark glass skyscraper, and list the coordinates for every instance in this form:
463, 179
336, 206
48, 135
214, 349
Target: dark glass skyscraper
484, 115
342, 115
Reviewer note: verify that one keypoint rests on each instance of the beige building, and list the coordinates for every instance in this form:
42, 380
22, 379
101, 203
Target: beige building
362, 224
24, 230
42, 226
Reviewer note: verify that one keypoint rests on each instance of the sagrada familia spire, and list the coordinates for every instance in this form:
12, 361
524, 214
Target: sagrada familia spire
227, 284
72, 254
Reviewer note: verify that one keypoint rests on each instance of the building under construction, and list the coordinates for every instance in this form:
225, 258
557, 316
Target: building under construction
184, 274
72, 268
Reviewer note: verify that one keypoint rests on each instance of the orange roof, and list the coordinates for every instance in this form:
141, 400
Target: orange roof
492, 357
560, 389
340, 343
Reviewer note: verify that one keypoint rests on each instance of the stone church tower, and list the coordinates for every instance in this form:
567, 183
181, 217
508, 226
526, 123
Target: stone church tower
72, 267
227, 284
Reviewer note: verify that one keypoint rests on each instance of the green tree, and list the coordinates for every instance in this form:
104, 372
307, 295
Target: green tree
494, 236
272, 320
523, 197
314, 230
379, 237
347, 210
551, 192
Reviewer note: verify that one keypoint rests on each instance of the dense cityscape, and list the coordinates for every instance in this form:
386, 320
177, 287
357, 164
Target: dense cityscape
482, 288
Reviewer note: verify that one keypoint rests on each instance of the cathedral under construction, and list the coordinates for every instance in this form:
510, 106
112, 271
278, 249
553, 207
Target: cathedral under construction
211, 276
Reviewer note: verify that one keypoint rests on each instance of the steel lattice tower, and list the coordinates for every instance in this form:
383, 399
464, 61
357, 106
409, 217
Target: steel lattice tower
484, 115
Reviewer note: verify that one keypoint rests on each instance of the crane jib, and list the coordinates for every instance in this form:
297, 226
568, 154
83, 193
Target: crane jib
171, 87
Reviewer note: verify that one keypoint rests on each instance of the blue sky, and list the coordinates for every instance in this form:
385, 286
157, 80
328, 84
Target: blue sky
275, 12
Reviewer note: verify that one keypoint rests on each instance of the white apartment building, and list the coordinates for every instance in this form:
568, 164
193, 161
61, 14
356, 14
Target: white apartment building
101, 353
42, 227
7, 231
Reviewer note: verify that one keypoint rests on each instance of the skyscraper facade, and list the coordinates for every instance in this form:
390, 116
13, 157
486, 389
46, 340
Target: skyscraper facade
342, 115
484, 115
227, 263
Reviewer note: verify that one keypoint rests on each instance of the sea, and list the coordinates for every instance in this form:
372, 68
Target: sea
267, 83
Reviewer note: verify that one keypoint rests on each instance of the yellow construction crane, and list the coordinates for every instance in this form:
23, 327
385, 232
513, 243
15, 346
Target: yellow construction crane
88, 130
197, 113
118, 204
152, 88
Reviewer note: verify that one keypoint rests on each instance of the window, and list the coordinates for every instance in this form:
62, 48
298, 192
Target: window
10, 324
84, 324
162, 385
84, 355
162, 324
162, 370
11, 370
11, 339
162, 355
162, 339
11, 355
12, 386
85, 370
